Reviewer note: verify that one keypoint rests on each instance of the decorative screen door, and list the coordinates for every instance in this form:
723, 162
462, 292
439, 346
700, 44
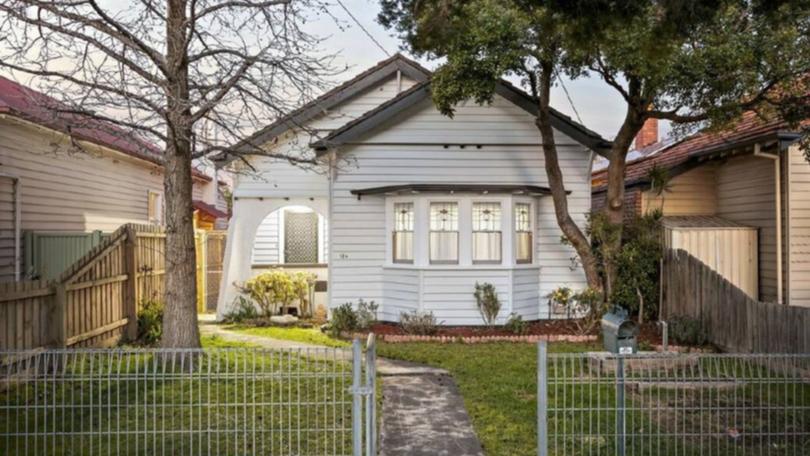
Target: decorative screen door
300, 237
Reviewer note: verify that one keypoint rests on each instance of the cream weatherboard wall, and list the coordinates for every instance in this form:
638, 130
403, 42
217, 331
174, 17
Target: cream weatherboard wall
412, 149
746, 194
70, 191
690, 193
798, 206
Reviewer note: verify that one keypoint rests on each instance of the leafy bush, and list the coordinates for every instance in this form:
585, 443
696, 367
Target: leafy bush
344, 320
591, 305
274, 291
637, 284
516, 325
687, 331
243, 310
321, 315
487, 301
419, 323
366, 314
150, 322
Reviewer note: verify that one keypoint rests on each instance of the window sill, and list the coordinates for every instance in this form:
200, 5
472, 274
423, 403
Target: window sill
459, 267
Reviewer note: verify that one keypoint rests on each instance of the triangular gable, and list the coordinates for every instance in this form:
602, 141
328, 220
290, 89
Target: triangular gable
382, 71
390, 109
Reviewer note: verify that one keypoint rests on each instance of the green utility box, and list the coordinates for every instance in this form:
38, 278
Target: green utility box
619, 333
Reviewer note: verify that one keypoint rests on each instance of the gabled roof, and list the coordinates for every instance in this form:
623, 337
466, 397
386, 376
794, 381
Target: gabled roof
208, 209
345, 91
421, 91
682, 155
33, 106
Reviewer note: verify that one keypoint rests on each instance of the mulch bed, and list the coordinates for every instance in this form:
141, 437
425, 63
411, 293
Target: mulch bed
561, 330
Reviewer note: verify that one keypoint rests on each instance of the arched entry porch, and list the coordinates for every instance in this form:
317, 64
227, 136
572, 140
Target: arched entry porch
269, 233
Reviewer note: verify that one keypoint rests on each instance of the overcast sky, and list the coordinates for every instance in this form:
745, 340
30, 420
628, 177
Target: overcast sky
599, 106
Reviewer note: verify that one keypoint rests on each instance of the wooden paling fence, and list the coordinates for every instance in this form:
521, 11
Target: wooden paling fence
95, 301
733, 320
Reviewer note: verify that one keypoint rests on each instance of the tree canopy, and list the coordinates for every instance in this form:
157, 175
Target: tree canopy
695, 63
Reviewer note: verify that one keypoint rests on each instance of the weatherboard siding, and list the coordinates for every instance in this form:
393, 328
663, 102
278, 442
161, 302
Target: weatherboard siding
745, 194
275, 177
69, 191
799, 230
413, 151
690, 193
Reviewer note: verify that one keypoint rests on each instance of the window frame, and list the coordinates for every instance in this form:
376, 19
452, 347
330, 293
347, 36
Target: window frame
396, 231
457, 231
515, 204
473, 231
159, 218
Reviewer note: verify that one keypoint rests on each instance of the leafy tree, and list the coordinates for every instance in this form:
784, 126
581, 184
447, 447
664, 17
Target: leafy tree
193, 76
694, 63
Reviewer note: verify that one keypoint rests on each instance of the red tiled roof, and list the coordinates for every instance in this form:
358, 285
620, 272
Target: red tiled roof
208, 209
28, 104
749, 127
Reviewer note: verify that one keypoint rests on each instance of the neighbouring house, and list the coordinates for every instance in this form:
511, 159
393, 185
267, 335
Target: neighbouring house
407, 207
737, 200
65, 182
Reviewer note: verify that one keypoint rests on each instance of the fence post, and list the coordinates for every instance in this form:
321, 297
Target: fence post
371, 398
542, 398
620, 410
131, 285
59, 316
357, 398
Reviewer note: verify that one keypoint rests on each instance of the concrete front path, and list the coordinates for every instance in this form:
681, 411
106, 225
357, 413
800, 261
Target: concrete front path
422, 412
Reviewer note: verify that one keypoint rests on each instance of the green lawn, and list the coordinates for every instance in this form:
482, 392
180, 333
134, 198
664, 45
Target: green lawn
499, 381
306, 335
236, 400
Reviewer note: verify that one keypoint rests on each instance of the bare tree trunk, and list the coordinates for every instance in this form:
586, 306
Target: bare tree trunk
614, 209
557, 185
180, 315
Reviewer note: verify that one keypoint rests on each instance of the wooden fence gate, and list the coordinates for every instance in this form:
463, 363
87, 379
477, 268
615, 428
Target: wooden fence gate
95, 301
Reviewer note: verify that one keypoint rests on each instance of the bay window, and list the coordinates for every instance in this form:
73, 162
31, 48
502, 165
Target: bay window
443, 233
486, 233
403, 233
523, 233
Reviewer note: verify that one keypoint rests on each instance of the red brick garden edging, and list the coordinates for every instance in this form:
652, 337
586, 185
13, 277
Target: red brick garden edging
486, 339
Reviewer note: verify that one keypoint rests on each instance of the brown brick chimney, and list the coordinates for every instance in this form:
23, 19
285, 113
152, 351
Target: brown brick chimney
648, 134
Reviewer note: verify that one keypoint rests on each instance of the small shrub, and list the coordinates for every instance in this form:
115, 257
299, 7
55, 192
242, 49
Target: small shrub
419, 323
591, 305
272, 291
516, 325
687, 331
150, 322
560, 299
243, 310
321, 315
344, 319
487, 301
366, 314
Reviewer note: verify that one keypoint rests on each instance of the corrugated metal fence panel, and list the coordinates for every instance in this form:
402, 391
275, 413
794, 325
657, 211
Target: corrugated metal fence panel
732, 253
48, 254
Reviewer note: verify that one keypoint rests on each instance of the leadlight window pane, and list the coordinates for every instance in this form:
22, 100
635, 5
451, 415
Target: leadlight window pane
403, 216
523, 217
443, 216
486, 217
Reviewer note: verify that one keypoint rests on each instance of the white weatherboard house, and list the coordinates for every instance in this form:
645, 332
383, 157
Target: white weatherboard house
410, 208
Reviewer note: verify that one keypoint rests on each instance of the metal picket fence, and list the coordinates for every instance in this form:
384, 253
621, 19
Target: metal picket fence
673, 404
317, 401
